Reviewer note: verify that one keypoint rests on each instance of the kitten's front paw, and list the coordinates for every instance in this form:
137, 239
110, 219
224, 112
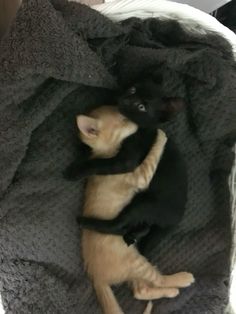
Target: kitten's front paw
130, 239
80, 220
69, 175
162, 137
184, 279
136, 234
73, 173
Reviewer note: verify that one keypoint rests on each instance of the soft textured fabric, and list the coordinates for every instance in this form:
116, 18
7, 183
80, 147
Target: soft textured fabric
190, 18
53, 63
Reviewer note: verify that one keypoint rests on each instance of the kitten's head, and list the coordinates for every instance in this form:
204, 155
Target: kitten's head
104, 129
144, 104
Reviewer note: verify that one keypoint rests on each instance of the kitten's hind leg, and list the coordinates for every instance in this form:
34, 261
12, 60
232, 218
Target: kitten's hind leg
144, 291
179, 280
142, 270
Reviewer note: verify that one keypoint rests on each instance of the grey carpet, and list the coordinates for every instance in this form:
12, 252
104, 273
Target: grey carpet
56, 61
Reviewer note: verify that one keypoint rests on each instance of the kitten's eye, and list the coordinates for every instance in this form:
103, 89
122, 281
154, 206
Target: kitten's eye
132, 90
141, 107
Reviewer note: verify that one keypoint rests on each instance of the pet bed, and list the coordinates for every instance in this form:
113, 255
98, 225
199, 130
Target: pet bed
61, 57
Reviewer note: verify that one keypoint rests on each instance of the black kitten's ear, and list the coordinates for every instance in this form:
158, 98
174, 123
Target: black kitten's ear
171, 107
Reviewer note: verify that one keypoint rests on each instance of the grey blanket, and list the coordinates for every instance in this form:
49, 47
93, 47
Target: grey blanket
57, 60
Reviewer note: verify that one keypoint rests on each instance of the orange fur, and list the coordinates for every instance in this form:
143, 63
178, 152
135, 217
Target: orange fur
108, 260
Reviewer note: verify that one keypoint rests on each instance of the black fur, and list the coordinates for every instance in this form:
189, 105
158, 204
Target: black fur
145, 102
121, 163
148, 93
162, 206
153, 211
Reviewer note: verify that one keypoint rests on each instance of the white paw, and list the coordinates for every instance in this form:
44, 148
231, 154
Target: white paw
185, 279
172, 293
162, 136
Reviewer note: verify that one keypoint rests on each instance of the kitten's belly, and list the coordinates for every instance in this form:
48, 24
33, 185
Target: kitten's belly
107, 257
106, 196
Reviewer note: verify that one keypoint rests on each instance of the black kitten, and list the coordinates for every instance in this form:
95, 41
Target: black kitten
142, 103
157, 209
152, 212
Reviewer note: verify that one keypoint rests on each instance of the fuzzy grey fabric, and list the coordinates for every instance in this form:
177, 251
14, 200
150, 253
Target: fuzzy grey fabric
56, 61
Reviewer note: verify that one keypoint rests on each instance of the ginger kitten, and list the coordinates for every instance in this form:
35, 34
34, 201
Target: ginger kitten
107, 258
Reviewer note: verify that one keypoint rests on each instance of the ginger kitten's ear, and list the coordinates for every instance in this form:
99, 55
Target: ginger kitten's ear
87, 126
